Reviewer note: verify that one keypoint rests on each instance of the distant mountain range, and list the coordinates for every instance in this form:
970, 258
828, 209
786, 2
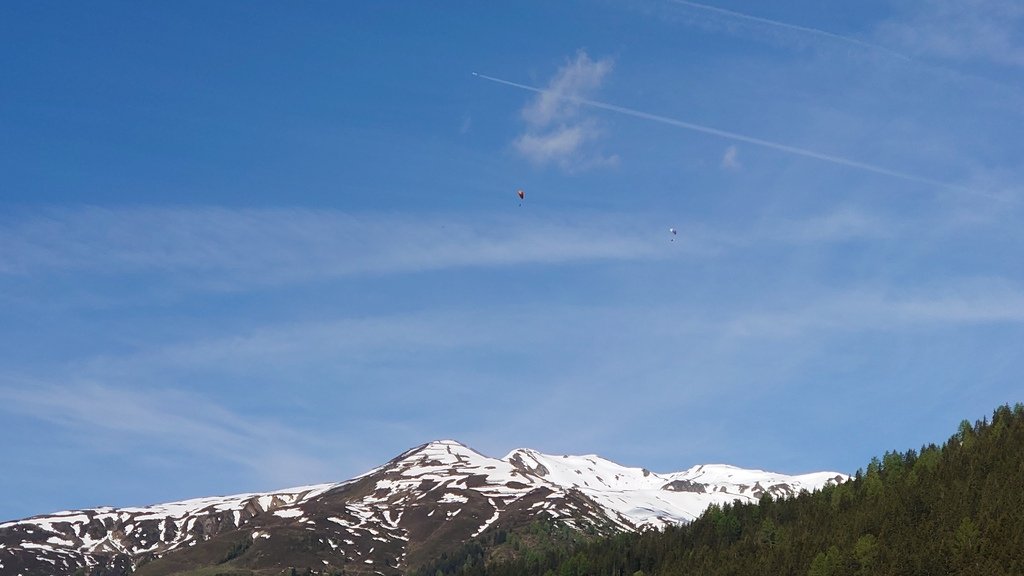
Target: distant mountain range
419, 505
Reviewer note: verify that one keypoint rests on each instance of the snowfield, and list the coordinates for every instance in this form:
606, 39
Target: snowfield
373, 518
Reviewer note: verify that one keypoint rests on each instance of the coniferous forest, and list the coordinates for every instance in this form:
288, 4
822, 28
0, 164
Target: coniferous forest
957, 508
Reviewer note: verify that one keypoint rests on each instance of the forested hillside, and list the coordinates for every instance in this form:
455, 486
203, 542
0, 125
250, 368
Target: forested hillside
957, 508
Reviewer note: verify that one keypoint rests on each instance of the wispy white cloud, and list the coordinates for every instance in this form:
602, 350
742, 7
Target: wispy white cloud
839, 225
789, 27
556, 131
123, 419
578, 77
969, 303
286, 351
534, 365
423, 346
730, 158
738, 137
559, 143
961, 30
227, 248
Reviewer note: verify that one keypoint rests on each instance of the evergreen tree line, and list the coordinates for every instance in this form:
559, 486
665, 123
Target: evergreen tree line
951, 509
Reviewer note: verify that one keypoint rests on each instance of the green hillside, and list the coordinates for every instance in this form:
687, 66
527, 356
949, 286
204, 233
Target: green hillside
957, 508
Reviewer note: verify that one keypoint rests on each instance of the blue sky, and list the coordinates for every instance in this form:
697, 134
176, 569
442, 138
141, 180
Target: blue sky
246, 246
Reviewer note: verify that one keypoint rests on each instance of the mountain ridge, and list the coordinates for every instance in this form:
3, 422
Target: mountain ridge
394, 516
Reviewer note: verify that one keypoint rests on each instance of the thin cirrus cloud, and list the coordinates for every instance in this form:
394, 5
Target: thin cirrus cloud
971, 303
196, 425
731, 158
978, 30
168, 420
423, 342
557, 132
790, 27
738, 137
338, 343
274, 246
842, 224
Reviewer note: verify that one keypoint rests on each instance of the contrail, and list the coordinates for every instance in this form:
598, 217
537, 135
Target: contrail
931, 67
742, 138
788, 26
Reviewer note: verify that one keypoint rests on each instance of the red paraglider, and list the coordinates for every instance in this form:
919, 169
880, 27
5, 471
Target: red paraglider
520, 193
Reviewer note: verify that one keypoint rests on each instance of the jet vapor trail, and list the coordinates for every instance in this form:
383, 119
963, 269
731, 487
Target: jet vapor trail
786, 25
740, 137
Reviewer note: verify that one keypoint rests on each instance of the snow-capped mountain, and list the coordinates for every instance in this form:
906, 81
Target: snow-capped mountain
424, 501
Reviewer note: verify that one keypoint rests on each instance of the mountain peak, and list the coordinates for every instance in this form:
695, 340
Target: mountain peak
452, 448
446, 443
389, 518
